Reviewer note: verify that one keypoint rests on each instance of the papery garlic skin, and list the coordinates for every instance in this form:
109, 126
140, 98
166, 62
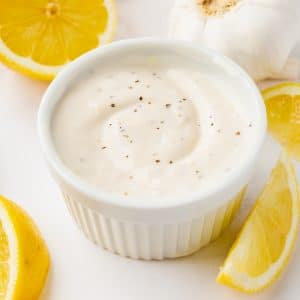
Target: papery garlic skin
259, 34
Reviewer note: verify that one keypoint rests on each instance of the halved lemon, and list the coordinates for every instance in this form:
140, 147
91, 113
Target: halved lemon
24, 258
38, 37
265, 242
283, 110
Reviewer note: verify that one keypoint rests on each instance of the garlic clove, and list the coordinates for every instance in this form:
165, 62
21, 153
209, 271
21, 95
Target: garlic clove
288, 5
179, 27
291, 70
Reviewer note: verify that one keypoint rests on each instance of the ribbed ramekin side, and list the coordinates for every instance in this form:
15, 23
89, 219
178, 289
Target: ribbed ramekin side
152, 241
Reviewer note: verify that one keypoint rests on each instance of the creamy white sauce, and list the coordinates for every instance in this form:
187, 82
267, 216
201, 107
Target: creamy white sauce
151, 130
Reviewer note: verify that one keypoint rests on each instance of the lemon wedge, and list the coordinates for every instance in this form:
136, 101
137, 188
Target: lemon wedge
265, 242
38, 38
283, 110
23, 254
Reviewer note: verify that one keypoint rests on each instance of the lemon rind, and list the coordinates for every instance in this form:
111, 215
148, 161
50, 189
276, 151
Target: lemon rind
288, 87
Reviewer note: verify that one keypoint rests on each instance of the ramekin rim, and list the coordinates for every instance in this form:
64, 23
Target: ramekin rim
48, 148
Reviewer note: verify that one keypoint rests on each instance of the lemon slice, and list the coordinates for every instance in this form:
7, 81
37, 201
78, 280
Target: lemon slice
283, 110
265, 242
24, 258
38, 38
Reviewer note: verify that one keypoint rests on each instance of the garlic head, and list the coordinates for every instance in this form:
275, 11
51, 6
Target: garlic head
258, 34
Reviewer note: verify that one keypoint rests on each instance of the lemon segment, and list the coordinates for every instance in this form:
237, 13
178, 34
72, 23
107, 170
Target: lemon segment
24, 257
283, 111
38, 38
265, 242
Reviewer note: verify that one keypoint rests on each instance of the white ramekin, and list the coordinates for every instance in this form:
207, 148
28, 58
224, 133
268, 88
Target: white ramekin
142, 229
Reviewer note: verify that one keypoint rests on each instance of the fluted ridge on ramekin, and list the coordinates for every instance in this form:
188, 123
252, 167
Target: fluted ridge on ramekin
152, 241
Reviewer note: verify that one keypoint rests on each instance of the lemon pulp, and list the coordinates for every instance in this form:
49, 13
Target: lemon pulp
283, 111
265, 242
24, 257
39, 37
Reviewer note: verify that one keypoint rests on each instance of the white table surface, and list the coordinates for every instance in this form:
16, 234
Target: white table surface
80, 270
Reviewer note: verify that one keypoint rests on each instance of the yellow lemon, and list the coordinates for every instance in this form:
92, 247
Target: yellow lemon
23, 254
38, 37
283, 110
265, 242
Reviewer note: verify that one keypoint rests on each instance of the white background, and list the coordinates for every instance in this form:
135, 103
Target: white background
80, 270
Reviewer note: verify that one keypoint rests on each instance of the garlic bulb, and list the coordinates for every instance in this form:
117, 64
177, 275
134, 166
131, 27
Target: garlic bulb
258, 34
